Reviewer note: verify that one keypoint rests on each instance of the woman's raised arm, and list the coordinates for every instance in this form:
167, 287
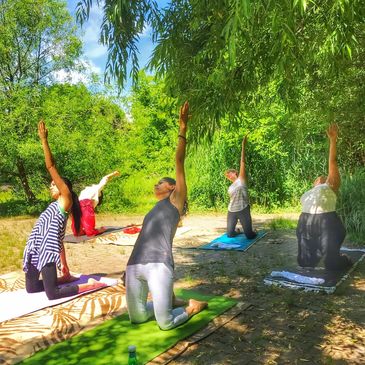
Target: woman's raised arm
65, 198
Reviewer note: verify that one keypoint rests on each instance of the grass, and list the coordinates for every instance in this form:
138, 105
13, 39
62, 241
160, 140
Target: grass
13, 235
282, 223
11, 251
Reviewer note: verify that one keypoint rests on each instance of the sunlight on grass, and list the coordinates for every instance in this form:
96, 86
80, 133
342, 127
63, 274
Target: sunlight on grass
13, 236
11, 251
282, 223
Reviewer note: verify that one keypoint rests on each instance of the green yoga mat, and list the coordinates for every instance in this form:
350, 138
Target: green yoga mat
108, 343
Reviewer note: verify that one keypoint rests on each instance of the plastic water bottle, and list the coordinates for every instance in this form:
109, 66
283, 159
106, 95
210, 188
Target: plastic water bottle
132, 358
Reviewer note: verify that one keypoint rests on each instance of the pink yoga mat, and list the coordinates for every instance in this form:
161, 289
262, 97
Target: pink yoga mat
18, 303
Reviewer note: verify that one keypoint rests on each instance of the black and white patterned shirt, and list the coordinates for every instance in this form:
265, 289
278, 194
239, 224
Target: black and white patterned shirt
46, 240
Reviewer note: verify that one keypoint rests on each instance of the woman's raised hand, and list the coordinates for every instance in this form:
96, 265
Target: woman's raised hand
184, 115
332, 131
42, 130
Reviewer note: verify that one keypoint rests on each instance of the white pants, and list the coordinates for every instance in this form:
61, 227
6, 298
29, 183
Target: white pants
158, 279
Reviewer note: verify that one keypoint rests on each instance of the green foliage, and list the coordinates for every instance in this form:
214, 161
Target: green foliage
222, 54
351, 204
147, 146
37, 38
84, 130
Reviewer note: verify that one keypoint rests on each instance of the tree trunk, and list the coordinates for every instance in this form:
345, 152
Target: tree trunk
24, 180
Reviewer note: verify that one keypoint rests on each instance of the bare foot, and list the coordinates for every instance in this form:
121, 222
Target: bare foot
95, 283
102, 230
195, 306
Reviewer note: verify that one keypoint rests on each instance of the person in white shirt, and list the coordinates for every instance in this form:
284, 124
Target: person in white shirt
90, 198
320, 231
239, 205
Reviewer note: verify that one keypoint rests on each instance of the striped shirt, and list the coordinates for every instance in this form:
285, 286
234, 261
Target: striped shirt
238, 195
46, 240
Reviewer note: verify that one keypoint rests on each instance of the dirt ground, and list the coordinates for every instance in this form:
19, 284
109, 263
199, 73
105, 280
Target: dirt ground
281, 326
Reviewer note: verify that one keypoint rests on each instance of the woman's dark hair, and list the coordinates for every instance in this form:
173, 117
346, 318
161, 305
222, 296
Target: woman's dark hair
172, 181
101, 197
185, 208
75, 209
169, 180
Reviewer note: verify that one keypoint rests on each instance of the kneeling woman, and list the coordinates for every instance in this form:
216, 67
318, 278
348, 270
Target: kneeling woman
320, 231
151, 265
239, 206
44, 251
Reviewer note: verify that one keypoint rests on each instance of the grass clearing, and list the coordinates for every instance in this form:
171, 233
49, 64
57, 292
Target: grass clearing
282, 223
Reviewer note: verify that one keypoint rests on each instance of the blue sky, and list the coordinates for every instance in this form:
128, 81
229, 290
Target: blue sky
95, 54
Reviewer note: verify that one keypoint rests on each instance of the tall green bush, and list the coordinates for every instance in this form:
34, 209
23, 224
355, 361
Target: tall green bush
351, 204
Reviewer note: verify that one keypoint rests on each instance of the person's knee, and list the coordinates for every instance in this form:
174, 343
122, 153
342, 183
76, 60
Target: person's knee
165, 324
341, 262
137, 317
30, 288
52, 294
231, 234
251, 235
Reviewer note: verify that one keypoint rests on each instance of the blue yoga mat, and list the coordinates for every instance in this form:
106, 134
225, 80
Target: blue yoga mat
237, 243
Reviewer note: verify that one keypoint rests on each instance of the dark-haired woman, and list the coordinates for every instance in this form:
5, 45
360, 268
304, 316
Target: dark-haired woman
151, 266
239, 206
44, 251
320, 231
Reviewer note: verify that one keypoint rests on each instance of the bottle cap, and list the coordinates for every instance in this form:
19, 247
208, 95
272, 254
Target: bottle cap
131, 348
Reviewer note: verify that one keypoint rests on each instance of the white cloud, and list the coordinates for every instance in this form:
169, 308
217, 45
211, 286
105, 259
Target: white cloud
92, 48
83, 75
146, 32
96, 51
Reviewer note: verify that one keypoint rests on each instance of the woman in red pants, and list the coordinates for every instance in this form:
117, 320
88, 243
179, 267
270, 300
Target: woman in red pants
89, 199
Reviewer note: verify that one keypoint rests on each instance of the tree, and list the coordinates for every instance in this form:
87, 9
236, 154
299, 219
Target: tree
85, 130
37, 38
233, 48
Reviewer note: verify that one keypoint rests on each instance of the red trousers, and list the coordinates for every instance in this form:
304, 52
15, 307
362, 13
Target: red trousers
87, 224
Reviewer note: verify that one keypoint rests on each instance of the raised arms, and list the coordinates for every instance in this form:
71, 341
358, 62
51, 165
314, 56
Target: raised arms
180, 192
65, 198
106, 179
333, 179
242, 173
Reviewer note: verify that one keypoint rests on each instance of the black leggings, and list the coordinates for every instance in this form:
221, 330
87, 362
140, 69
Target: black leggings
49, 282
244, 216
321, 235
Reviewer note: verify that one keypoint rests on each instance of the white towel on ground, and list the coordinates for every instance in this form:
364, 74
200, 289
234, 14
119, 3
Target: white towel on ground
297, 277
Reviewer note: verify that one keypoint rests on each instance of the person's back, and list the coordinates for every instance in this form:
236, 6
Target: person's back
320, 199
320, 231
154, 243
89, 198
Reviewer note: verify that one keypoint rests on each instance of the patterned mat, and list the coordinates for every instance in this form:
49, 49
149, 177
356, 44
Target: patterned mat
109, 230
23, 336
121, 238
317, 279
